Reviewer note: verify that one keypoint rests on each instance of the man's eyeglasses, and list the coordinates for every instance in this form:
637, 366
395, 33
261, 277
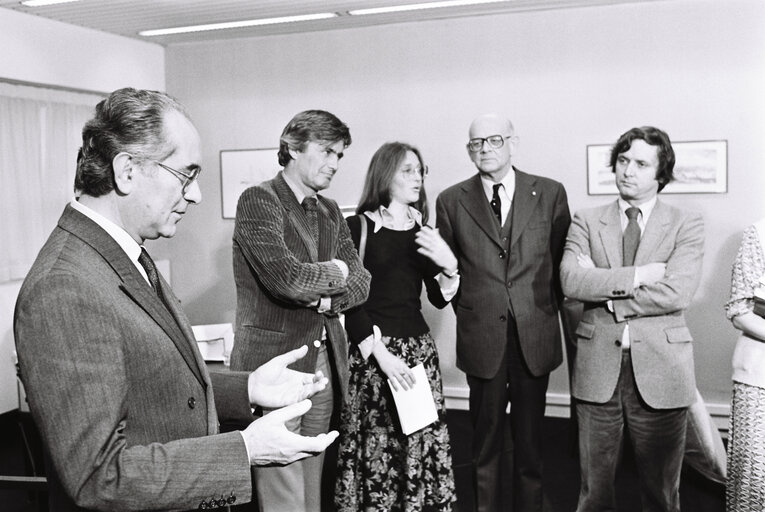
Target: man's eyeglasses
495, 141
411, 172
186, 178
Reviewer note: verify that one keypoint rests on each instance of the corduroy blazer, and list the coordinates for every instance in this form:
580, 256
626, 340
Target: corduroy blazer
660, 341
116, 384
494, 280
279, 270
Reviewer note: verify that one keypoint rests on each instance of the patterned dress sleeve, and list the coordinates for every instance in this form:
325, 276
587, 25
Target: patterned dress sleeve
748, 267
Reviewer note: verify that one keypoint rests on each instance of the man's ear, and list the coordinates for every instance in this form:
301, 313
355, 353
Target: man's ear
513, 141
293, 153
124, 173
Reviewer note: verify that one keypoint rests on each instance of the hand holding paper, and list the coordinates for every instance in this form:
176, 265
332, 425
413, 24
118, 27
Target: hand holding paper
416, 407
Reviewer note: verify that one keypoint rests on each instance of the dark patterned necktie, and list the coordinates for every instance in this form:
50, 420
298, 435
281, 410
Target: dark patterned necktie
151, 271
309, 205
631, 237
496, 203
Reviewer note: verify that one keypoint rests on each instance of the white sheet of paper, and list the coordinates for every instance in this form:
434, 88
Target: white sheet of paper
416, 408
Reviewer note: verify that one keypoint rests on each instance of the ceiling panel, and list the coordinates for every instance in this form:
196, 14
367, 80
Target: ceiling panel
128, 17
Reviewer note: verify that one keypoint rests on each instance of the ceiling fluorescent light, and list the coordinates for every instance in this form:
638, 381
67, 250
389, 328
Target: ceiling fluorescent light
426, 5
237, 24
41, 3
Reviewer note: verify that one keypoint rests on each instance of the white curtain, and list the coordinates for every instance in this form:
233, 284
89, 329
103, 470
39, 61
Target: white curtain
40, 133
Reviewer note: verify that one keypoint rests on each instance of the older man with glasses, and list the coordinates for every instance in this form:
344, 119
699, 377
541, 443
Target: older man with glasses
114, 378
507, 229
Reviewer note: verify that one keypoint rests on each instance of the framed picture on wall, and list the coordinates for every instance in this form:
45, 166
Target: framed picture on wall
701, 167
241, 169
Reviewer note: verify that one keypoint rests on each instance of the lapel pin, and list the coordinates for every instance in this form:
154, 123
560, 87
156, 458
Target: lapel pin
533, 192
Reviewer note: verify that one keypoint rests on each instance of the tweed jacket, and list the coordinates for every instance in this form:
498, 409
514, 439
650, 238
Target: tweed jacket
660, 341
116, 384
518, 277
279, 270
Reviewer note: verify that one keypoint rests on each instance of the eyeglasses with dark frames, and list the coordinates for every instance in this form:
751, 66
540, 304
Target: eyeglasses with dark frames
186, 178
495, 141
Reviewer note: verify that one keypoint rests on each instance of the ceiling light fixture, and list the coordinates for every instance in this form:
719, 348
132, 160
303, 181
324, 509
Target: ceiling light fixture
237, 24
42, 3
416, 7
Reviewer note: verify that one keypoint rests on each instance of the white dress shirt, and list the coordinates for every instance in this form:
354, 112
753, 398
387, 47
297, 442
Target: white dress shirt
506, 192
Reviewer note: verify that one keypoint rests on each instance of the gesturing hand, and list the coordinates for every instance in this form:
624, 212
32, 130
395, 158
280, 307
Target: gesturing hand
274, 385
393, 367
432, 246
269, 441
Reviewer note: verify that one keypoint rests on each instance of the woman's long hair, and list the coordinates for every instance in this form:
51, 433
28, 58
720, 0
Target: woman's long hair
382, 170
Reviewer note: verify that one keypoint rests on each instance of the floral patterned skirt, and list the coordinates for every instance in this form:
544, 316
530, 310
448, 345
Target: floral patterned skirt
379, 468
745, 490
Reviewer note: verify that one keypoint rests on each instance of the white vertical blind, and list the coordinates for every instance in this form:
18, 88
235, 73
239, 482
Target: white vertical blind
40, 133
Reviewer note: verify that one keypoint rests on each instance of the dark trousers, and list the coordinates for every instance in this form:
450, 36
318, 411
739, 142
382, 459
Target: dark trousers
522, 447
658, 440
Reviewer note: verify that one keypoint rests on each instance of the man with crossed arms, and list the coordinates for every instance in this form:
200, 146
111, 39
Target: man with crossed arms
635, 263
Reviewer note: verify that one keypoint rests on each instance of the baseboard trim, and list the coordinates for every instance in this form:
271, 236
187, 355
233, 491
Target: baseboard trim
559, 406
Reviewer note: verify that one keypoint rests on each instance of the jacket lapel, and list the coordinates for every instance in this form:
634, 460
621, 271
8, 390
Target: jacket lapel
525, 200
655, 232
296, 214
473, 200
136, 287
611, 235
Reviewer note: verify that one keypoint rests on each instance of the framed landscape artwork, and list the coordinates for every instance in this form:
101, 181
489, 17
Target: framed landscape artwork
241, 169
701, 167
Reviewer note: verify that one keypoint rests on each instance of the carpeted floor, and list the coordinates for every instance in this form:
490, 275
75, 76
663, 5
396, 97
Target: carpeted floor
561, 478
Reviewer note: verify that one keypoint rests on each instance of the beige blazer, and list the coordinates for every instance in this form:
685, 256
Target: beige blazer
661, 348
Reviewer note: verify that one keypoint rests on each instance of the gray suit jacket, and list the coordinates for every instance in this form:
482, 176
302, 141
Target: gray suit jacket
493, 280
279, 270
116, 384
660, 342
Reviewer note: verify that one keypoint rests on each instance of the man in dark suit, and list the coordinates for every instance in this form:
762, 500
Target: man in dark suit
507, 229
114, 378
635, 263
296, 270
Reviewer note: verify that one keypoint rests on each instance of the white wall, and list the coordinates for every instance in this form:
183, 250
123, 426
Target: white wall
33, 49
39, 50
567, 78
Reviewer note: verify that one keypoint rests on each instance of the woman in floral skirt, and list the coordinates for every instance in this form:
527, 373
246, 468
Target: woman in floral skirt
380, 468
745, 489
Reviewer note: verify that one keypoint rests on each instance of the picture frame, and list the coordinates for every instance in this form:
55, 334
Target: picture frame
701, 167
241, 169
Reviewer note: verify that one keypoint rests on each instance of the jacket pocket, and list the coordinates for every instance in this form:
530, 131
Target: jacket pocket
678, 335
585, 330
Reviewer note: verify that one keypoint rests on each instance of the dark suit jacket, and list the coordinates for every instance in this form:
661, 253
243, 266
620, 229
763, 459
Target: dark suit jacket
493, 280
116, 384
660, 342
279, 270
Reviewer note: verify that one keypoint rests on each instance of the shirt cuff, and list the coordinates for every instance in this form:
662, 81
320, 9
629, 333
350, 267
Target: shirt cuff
367, 346
246, 448
325, 304
343, 266
448, 285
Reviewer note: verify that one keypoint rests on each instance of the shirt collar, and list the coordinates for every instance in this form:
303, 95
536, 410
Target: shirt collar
508, 185
645, 209
128, 244
123, 239
384, 219
299, 195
